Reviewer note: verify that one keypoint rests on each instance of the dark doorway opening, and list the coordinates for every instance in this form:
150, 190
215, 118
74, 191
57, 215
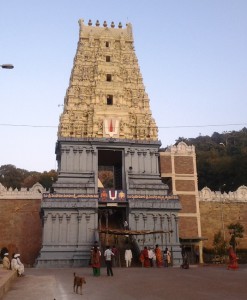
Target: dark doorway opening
110, 219
110, 169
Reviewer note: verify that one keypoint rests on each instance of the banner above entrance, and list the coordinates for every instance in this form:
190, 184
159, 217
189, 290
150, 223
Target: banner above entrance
110, 195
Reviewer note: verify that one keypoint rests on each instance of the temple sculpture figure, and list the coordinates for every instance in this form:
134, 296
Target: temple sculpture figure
108, 156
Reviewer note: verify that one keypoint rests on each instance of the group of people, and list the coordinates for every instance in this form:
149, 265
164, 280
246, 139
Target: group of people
111, 256
95, 260
14, 264
149, 257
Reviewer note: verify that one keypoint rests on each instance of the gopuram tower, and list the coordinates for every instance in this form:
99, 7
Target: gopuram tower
108, 156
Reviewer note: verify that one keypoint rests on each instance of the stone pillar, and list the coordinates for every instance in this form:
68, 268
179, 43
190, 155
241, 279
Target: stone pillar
60, 235
79, 218
176, 218
68, 217
81, 161
45, 231
53, 237
136, 220
87, 216
156, 155
162, 218
140, 163
169, 229
145, 163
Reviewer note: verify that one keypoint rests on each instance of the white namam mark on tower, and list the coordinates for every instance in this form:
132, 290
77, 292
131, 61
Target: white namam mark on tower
111, 127
112, 194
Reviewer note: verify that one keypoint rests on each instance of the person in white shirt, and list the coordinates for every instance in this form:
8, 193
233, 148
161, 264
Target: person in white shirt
108, 255
128, 257
151, 256
20, 265
17, 265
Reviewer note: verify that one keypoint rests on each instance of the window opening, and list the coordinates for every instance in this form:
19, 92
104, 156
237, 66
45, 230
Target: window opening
109, 100
108, 58
108, 77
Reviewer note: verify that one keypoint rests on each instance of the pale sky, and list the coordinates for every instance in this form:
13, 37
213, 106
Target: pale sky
192, 56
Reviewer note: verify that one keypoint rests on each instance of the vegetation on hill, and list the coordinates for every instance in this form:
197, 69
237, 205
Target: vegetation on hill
221, 160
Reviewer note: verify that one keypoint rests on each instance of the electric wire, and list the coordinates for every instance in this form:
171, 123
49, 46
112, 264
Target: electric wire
159, 127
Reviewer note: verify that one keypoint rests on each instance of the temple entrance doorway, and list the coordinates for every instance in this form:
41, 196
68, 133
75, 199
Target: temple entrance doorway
111, 218
110, 168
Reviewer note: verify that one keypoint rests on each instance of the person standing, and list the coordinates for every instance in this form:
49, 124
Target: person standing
115, 261
141, 258
128, 257
167, 257
233, 261
146, 258
126, 225
159, 257
151, 256
185, 264
6, 262
95, 261
108, 255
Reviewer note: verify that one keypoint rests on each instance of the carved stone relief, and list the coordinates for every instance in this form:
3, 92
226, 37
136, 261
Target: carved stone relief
88, 88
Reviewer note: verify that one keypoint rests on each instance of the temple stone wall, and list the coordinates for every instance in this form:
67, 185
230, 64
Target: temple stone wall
21, 225
70, 226
159, 215
220, 210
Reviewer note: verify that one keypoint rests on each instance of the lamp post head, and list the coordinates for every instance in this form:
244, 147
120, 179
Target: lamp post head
7, 66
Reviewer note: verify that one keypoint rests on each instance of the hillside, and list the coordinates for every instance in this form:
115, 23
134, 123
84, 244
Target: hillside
221, 159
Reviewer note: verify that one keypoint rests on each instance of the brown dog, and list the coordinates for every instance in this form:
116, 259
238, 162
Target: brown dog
78, 282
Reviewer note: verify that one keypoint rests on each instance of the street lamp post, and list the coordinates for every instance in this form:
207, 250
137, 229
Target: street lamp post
7, 66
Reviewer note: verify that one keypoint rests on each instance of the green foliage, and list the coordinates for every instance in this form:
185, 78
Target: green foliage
219, 244
236, 230
221, 159
12, 177
47, 178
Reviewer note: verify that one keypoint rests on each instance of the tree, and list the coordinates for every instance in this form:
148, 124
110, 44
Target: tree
219, 244
12, 177
48, 178
30, 180
236, 231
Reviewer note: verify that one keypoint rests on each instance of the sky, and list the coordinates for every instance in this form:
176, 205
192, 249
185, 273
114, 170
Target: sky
191, 53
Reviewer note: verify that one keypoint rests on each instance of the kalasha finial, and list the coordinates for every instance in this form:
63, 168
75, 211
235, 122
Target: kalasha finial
97, 23
120, 25
105, 24
90, 22
112, 25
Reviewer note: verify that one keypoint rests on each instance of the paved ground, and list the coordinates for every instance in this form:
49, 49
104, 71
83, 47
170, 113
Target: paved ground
208, 282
